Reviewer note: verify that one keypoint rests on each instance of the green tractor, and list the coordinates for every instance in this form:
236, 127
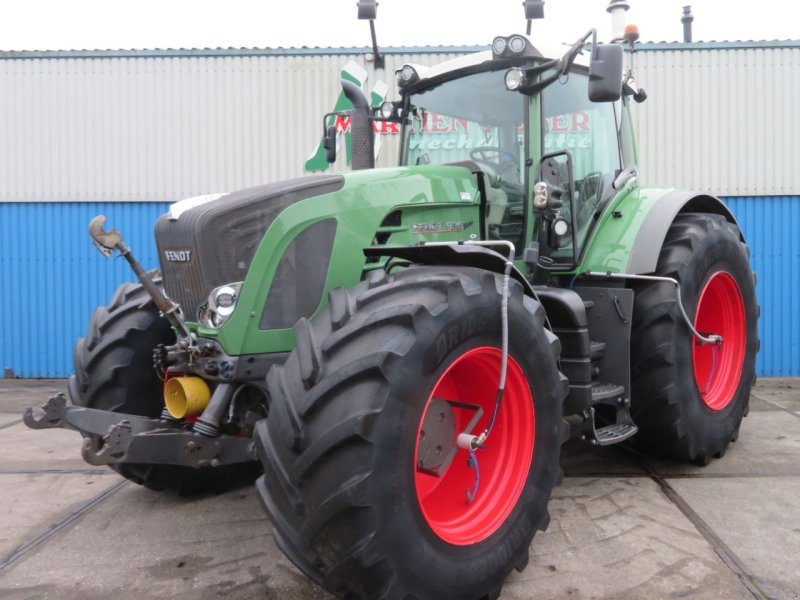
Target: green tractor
400, 353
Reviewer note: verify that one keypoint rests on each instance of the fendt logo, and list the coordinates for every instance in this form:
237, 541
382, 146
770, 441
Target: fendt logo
178, 255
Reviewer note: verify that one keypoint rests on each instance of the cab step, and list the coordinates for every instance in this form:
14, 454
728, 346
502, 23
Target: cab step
598, 349
614, 434
608, 393
623, 427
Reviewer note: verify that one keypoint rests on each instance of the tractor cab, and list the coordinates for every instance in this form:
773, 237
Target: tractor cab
520, 120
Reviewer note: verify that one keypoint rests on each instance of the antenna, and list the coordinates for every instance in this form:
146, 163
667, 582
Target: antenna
368, 11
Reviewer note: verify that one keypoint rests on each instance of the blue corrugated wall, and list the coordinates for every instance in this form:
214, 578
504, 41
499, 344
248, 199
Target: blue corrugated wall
771, 226
52, 277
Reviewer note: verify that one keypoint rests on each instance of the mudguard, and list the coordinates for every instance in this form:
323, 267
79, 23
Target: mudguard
653, 231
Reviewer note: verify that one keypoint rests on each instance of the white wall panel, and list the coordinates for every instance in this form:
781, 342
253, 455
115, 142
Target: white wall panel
155, 128
164, 125
723, 120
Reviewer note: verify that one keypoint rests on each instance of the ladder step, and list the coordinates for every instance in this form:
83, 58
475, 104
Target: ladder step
614, 434
606, 391
597, 350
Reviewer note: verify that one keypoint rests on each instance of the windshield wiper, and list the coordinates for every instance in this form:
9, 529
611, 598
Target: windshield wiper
560, 65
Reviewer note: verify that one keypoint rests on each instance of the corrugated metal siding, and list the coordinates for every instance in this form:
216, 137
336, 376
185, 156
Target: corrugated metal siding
53, 278
154, 127
724, 121
165, 128
770, 228
110, 132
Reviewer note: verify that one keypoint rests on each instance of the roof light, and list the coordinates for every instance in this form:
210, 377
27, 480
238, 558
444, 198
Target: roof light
406, 76
516, 44
499, 45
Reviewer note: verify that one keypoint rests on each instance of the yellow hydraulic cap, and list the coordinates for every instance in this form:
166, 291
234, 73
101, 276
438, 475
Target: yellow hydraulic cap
186, 396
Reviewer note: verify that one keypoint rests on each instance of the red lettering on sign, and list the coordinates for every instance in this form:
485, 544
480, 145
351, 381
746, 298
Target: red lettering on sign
342, 124
385, 127
440, 124
461, 124
580, 121
571, 123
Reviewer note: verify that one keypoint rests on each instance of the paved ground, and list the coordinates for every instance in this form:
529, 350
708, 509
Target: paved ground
621, 527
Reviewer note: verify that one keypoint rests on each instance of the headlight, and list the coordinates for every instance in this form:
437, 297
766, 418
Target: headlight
220, 305
560, 227
515, 78
387, 110
540, 195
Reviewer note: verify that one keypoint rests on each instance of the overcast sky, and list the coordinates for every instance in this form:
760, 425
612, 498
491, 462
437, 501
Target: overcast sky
125, 24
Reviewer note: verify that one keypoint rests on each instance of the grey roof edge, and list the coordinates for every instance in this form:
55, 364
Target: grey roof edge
234, 52
734, 45
357, 51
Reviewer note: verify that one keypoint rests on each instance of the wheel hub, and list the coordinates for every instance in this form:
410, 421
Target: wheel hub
466, 392
718, 367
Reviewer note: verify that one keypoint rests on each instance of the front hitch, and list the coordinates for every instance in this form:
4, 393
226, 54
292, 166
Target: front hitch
116, 438
108, 241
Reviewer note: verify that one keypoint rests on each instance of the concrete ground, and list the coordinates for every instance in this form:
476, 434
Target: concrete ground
622, 527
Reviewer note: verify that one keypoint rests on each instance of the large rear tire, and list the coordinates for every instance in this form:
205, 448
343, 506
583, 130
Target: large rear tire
114, 371
689, 399
342, 450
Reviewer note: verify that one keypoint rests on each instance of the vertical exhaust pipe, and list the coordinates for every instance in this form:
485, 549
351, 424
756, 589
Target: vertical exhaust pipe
687, 19
617, 8
362, 140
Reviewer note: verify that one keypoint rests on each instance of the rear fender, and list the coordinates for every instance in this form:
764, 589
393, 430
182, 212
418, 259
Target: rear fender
653, 231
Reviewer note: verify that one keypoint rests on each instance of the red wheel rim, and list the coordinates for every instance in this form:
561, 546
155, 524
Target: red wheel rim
504, 462
718, 368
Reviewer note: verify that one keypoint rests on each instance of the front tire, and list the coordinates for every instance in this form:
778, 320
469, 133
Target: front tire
114, 371
344, 485
689, 399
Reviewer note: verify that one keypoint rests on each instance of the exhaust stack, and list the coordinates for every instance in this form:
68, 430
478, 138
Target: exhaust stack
362, 139
617, 8
687, 19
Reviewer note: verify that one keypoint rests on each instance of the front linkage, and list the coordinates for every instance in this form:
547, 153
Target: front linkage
116, 438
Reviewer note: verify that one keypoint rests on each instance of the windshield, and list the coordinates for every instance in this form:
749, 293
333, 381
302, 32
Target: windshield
475, 118
470, 118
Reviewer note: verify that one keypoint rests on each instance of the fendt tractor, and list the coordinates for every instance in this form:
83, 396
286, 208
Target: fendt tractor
398, 354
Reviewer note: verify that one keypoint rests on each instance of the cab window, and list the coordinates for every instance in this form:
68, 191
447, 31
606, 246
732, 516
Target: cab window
588, 130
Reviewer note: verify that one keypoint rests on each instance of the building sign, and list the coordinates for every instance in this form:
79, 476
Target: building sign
357, 74
572, 131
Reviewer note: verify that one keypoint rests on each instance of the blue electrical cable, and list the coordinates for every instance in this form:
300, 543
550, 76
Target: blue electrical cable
713, 368
473, 462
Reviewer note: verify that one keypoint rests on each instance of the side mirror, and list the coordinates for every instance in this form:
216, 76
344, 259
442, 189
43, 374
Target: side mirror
605, 73
329, 143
